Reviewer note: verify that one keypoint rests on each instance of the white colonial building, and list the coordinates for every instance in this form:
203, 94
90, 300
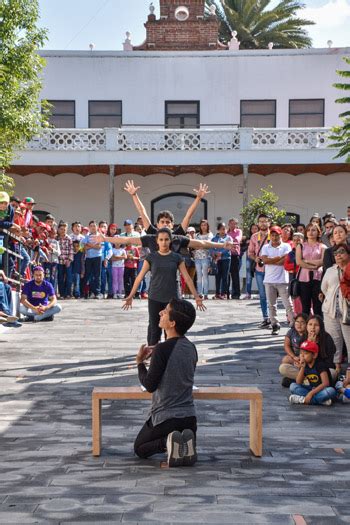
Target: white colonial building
175, 114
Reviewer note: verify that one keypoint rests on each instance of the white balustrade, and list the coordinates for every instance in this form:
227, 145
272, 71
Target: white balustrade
162, 139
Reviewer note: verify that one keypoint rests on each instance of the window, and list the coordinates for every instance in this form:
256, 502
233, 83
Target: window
105, 113
258, 113
62, 113
308, 113
178, 204
182, 114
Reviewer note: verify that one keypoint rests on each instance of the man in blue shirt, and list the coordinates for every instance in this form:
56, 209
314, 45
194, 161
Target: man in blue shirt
93, 261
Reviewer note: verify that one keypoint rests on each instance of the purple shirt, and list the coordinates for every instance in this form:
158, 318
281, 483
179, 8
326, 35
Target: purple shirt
38, 294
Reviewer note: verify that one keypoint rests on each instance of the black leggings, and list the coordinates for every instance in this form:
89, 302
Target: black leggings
154, 333
309, 294
152, 440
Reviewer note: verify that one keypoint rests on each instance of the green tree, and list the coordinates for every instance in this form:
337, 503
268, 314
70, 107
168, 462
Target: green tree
20, 79
265, 202
257, 23
341, 134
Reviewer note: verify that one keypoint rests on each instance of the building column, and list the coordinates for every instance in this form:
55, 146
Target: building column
111, 193
245, 184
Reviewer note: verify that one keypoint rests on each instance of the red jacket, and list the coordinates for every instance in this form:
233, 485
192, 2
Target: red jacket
345, 282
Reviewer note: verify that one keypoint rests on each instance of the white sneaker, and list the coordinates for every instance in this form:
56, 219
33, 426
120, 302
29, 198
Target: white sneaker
327, 403
294, 399
115, 296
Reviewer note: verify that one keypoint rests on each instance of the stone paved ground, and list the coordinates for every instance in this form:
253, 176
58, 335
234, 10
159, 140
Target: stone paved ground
47, 472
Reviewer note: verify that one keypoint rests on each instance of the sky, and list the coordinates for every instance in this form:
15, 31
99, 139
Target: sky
75, 24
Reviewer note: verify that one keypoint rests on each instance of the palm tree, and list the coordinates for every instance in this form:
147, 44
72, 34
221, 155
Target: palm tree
341, 134
258, 24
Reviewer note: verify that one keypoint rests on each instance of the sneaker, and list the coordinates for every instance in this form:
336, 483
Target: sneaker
327, 403
189, 448
14, 324
116, 296
174, 447
275, 329
28, 319
98, 296
265, 324
48, 319
294, 399
286, 382
247, 296
144, 295
205, 297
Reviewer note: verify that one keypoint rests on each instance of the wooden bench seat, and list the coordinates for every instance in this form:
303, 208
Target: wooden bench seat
251, 394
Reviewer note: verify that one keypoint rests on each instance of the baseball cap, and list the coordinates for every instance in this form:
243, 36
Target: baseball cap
191, 229
276, 229
38, 268
15, 199
29, 200
309, 346
113, 225
4, 197
128, 221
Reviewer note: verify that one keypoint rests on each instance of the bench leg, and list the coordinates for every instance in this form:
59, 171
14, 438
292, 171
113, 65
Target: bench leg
255, 430
96, 427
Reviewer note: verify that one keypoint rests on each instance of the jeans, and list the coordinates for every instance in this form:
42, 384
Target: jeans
202, 266
152, 440
64, 275
154, 333
234, 273
259, 277
221, 278
51, 311
5, 298
106, 279
50, 270
93, 274
76, 285
319, 398
25, 261
249, 278
272, 292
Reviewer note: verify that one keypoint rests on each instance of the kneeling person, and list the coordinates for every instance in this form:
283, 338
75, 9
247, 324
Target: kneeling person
172, 423
38, 299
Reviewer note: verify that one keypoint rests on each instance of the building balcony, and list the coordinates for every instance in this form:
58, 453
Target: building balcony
158, 145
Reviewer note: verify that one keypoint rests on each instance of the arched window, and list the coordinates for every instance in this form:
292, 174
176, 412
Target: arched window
178, 204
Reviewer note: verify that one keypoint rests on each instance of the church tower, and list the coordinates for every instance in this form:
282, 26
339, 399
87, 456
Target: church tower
182, 26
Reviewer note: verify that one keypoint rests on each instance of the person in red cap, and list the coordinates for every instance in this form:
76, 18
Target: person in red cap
276, 277
312, 386
29, 205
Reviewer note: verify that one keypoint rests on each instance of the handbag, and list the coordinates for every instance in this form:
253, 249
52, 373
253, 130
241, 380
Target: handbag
294, 285
253, 262
213, 267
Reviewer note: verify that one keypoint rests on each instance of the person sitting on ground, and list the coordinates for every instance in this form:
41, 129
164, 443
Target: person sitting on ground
172, 422
312, 386
6, 303
38, 299
343, 388
316, 332
165, 218
290, 365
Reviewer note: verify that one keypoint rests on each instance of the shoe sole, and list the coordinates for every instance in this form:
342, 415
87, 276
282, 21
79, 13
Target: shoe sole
189, 443
174, 448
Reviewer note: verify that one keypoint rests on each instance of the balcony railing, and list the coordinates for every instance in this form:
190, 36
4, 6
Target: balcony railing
162, 139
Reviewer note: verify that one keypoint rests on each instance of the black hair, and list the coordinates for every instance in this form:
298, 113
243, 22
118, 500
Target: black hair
166, 214
263, 216
322, 336
92, 222
221, 225
342, 245
49, 217
203, 221
183, 313
165, 230
75, 223
102, 222
76, 242
289, 225
35, 218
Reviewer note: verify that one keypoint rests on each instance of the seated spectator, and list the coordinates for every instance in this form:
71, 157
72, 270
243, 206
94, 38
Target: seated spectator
6, 305
342, 388
38, 300
290, 365
316, 332
312, 386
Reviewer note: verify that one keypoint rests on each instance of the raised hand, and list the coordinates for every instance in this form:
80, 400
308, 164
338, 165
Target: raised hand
202, 190
130, 187
127, 303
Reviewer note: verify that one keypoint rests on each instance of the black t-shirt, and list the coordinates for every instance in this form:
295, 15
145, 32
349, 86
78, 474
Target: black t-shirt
179, 243
163, 286
312, 375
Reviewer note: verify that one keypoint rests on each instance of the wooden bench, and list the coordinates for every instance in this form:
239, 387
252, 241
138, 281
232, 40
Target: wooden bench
251, 394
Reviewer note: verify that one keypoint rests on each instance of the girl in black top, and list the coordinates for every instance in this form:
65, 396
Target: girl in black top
316, 332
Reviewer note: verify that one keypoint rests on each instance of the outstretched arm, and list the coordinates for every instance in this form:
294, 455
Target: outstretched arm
202, 191
132, 190
128, 301
189, 282
209, 245
117, 240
